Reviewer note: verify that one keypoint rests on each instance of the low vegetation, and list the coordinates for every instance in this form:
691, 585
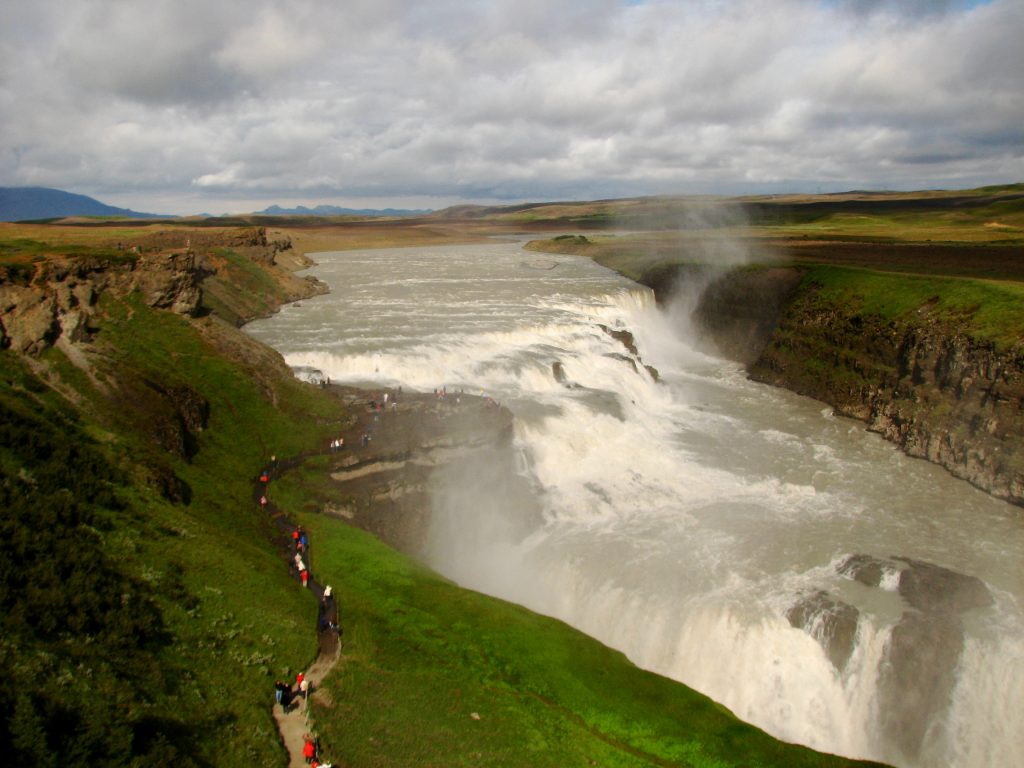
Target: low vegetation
138, 628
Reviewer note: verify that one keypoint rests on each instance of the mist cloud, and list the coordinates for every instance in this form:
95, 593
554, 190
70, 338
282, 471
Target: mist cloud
178, 100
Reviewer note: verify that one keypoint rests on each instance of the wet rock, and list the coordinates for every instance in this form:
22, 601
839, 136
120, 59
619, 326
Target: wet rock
866, 569
923, 585
830, 621
622, 336
930, 587
558, 371
918, 669
628, 360
918, 673
739, 310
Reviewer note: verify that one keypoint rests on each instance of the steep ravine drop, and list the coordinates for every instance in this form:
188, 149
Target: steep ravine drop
921, 382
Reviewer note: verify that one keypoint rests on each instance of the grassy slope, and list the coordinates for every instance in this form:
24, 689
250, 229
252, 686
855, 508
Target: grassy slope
252, 623
234, 619
986, 310
421, 656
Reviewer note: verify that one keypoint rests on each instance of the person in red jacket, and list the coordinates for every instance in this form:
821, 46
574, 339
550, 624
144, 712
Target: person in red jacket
309, 749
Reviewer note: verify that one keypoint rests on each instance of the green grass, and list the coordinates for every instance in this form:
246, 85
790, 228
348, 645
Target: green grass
421, 656
233, 619
240, 289
18, 251
987, 310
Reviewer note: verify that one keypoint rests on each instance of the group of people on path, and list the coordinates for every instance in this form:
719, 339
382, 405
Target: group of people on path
300, 545
286, 693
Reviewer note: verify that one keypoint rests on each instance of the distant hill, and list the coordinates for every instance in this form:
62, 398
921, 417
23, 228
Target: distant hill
333, 210
25, 203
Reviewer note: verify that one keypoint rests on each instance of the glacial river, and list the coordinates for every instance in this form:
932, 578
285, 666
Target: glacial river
701, 523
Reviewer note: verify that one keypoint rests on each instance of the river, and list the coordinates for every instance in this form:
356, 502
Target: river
699, 522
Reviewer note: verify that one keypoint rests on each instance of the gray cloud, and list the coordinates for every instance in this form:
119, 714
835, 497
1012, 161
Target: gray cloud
184, 101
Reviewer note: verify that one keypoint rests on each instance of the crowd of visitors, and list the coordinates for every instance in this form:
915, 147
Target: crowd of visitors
287, 694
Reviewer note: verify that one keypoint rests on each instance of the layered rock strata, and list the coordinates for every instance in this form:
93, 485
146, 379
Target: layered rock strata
921, 382
386, 472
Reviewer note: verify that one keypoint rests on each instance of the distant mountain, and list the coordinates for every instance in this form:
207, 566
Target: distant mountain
25, 203
333, 210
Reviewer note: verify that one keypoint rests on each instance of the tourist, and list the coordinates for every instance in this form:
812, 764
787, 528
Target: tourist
309, 749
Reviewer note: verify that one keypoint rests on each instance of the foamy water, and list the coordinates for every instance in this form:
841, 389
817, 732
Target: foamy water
679, 520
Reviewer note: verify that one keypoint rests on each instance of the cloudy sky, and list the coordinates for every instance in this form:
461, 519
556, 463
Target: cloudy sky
182, 106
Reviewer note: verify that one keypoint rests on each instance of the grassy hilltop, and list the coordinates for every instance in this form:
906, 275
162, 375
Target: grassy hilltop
145, 606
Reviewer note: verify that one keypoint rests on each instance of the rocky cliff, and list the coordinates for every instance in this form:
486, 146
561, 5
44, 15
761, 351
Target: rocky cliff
50, 302
395, 458
923, 383
920, 381
56, 300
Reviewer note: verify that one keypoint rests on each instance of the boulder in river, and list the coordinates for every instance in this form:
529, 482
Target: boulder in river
830, 621
917, 676
930, 587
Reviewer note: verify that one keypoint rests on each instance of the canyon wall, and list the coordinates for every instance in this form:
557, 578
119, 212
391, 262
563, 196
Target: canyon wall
921, 381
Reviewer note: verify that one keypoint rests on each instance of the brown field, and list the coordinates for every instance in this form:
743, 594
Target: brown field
969, 233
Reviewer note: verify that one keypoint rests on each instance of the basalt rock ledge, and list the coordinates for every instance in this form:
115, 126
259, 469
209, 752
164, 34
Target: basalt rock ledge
921, 381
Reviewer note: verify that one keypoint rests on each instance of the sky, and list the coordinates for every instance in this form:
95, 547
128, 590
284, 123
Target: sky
189, 106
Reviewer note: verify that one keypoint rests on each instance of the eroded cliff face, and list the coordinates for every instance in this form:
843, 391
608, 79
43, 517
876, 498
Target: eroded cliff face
920, 382
59, 298
53, 302
57, 303
397, 459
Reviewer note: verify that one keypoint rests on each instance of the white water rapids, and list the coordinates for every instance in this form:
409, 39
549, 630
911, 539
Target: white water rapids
681, 520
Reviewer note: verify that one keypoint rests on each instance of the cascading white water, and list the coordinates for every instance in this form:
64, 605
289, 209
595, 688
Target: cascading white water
693, 522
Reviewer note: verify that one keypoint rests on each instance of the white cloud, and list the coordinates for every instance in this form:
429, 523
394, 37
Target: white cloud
505, 97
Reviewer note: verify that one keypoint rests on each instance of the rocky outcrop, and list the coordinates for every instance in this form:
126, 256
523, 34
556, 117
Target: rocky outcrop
922, 383
925, 385
176, 426
384, 473
918, 670
830, 621
58, 299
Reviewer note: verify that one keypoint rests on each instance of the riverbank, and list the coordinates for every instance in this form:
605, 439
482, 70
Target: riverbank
381, 472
